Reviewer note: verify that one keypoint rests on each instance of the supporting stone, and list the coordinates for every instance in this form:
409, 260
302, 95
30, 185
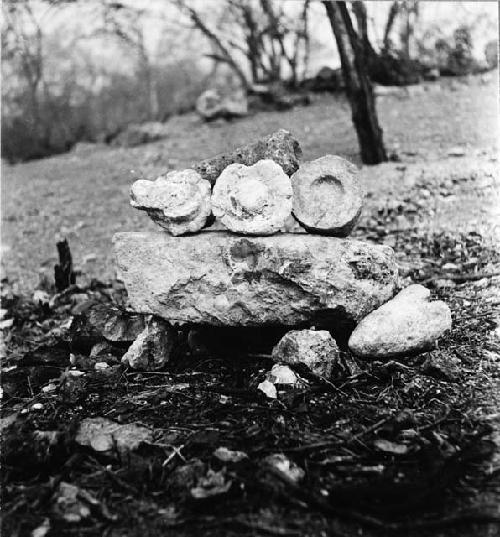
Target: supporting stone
408, 324
217, 278
314, 348
178, 202
253, 200
279, 146
327, 196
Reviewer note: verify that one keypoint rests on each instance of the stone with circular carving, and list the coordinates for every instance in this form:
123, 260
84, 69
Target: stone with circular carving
178, 201
327, 196
253, 200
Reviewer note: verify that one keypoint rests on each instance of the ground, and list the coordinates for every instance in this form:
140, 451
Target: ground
406, 447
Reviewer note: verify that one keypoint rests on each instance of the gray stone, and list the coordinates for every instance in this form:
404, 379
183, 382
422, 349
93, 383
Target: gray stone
314, 348
279, 146
214, 104
407, 324
104, 435
140, 133
253, 200
442, 366
217, 278
178, 201
153, 347
327, 195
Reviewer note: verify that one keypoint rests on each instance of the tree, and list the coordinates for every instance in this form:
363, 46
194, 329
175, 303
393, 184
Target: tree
257, 39
359, 90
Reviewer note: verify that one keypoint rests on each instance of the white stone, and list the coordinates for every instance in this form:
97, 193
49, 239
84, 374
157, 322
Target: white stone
407, 324
282, 374
179, 201
253, 200
327, 195
268, 388
314, 348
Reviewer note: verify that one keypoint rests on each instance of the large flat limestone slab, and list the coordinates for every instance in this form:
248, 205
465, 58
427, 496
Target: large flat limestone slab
217, 278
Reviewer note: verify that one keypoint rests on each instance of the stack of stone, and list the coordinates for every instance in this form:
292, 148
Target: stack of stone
248, 270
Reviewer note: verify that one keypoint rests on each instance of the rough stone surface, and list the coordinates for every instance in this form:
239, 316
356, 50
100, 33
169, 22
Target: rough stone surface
216, 278
253, 200
178, 201
279, 146
153, 347
327, 195
407, 324
314, 348
214, 104
102, 322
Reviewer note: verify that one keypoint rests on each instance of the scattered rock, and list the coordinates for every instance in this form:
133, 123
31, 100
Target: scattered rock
43, 529
390, 91
212, 484
391, 447
285, 466
140, 133
407, 324
282, 374
178, 201
228, 455
6, 323
327, 195
442, 366
185, 477
253, 200
104, 349
220, 279
71, 503
153, 347
314, 348
456, 151
42, 298
104, 435
279, 146
432, 74
268, 388
212, 104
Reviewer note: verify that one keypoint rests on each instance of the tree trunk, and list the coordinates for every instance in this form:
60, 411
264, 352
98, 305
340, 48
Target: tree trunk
359, 90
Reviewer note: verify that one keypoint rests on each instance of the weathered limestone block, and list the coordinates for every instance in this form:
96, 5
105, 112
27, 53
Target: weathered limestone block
314, 348
217, 278
407, 324
253, 200
178, 202
327, 195
279, 146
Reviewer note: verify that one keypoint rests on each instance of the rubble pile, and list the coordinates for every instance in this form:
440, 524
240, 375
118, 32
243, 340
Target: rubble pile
249, 270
